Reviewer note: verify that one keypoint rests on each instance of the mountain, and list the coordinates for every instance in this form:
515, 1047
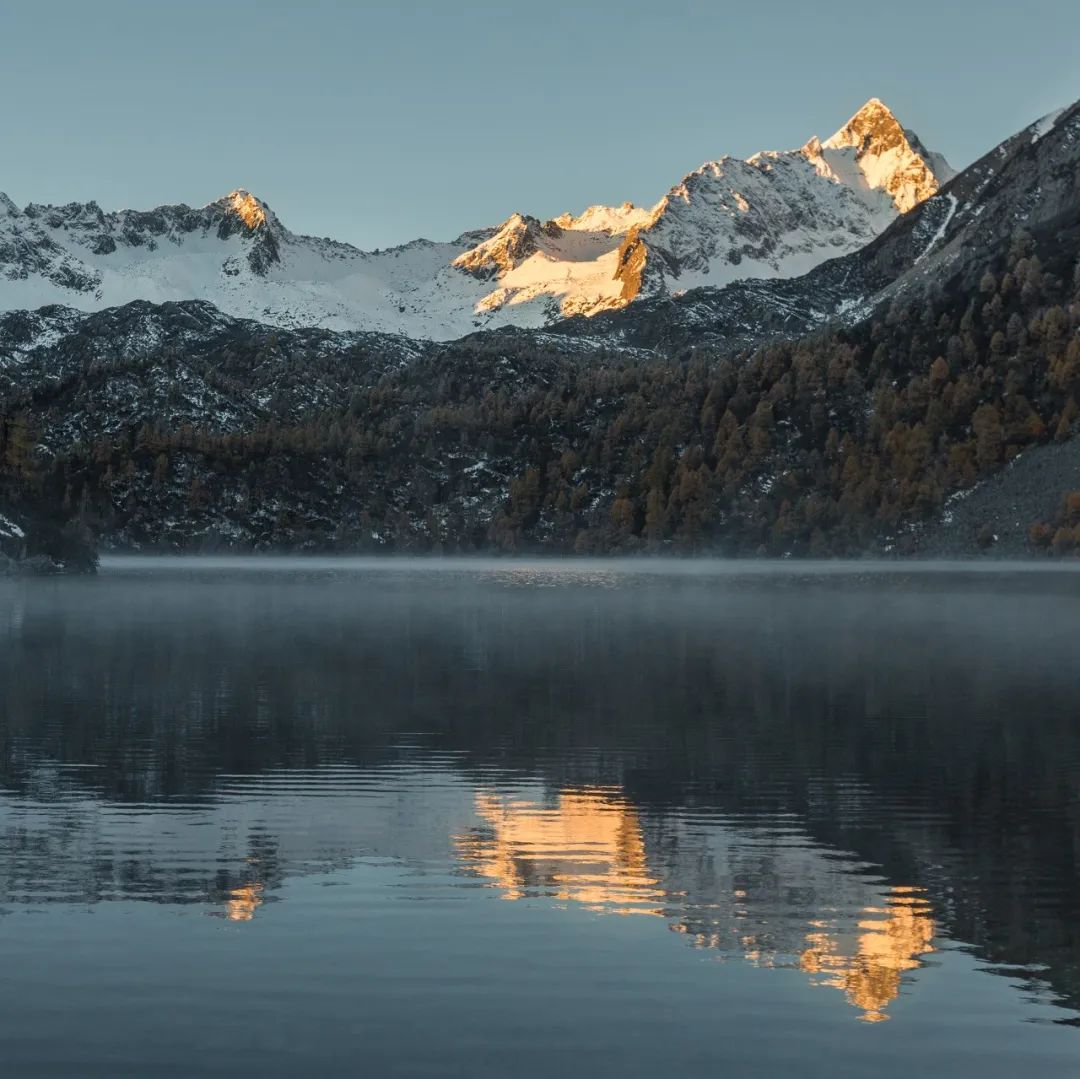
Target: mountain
774, 215
234, 253
1027, 182
840, 412
780, 214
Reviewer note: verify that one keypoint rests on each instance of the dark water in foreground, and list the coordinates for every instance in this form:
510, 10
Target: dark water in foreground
539, 822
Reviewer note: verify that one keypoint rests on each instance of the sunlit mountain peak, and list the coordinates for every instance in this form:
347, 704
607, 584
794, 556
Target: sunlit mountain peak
247, 207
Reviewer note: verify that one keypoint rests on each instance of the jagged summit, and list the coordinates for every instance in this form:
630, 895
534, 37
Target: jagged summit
875, 117
513, 241
255, 213
565, 266
890, 158
780, 213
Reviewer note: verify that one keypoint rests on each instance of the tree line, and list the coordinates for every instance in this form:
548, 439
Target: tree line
829, 445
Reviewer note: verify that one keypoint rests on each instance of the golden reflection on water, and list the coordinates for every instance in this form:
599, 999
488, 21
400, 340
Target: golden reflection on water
243, 902
588, 847
893, 939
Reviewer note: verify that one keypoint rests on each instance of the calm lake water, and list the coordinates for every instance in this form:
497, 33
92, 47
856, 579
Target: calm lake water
336, 819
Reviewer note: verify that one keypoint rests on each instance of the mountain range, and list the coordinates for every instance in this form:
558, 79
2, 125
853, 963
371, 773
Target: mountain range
773, 215
811, 351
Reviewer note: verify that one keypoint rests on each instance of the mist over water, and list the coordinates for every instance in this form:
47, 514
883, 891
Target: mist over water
322, 817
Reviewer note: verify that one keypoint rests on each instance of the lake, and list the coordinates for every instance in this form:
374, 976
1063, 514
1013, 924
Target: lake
333, 818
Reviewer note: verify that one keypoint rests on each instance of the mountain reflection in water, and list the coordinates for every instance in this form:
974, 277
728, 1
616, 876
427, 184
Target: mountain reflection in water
844, 779
891, 940
244, 901
589, 847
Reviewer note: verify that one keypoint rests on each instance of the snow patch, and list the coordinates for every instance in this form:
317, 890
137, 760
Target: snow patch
9, 529
954, 204
1044, 126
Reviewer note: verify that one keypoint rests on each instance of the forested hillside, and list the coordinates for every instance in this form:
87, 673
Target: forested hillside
835, 444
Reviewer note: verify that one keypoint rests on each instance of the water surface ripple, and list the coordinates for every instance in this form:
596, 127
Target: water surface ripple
333, 818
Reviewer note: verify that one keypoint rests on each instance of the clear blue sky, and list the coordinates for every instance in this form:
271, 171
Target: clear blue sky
378, 122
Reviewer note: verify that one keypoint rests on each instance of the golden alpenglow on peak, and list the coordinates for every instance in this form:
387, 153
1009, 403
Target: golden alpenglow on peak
874, 122
890, 158
513, 242
247, 207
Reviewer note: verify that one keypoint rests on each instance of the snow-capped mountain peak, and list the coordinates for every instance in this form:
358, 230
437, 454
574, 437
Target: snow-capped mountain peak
568, 265
889, 158
780, 213
874, 120
614, 220
252, 211
513, 242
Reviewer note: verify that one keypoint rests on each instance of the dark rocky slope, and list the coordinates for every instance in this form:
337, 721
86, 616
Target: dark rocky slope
995, 518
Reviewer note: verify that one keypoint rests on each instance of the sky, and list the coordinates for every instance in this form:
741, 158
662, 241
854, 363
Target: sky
376, 123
